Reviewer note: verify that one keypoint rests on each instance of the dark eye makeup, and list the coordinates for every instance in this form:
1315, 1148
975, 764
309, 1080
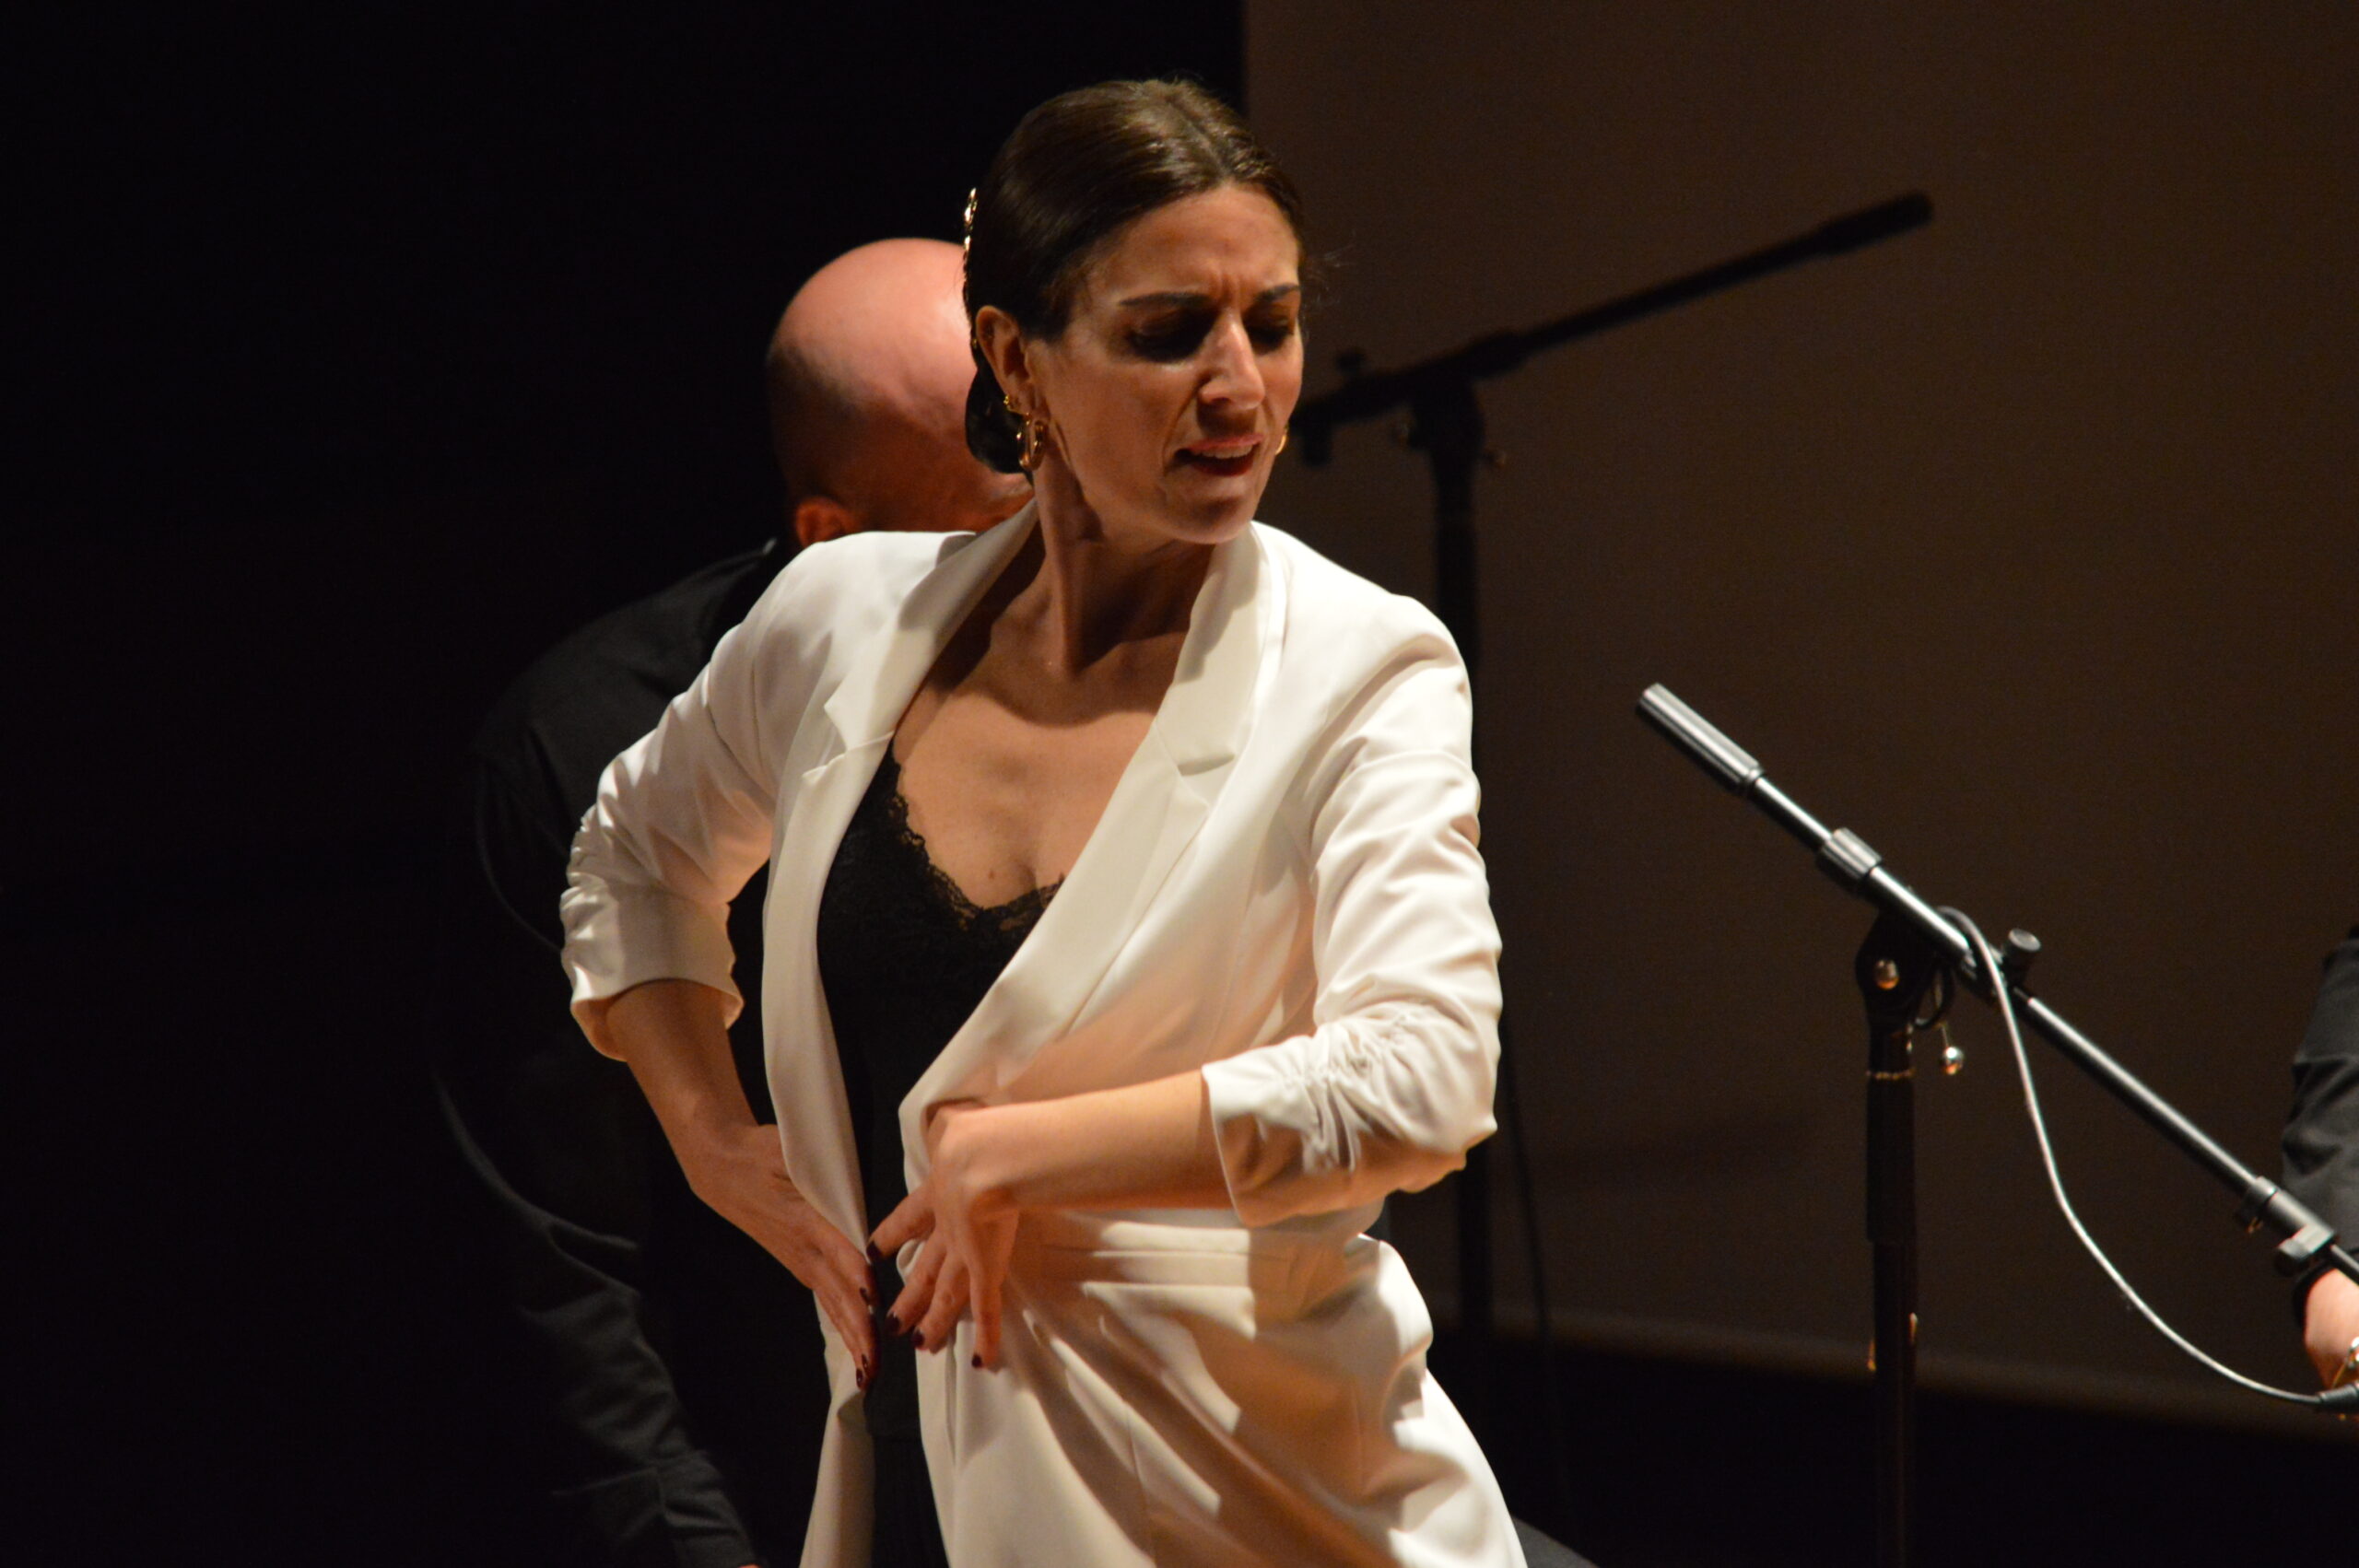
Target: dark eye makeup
1172, 338
1177, 335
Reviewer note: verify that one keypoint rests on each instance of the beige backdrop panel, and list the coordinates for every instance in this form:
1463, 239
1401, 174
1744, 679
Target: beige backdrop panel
2023, 545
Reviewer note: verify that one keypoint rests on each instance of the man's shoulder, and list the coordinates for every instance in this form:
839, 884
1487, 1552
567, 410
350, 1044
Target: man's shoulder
673, 625
605, 684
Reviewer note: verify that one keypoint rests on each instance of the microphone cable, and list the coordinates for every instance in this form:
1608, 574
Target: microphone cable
2342, 1399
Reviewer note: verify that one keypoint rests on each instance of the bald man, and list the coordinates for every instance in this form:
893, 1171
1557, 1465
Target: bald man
671, 1366
868, 399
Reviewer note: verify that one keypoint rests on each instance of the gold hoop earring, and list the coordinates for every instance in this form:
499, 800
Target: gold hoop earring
1282, 441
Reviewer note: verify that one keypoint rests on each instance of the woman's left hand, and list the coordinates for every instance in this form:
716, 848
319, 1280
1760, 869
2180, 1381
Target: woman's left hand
968, 1230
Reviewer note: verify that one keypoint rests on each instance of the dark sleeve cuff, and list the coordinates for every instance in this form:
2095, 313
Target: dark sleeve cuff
2301, 1283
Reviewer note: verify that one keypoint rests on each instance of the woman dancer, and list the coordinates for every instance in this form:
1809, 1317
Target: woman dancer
1127, 938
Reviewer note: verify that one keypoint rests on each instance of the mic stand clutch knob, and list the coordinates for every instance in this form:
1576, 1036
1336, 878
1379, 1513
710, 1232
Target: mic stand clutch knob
2022, 948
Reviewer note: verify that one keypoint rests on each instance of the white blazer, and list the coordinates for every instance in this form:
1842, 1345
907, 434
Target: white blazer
1283, 893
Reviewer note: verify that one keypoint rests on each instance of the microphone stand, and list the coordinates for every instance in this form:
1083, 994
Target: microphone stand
1446, 423
1913, 950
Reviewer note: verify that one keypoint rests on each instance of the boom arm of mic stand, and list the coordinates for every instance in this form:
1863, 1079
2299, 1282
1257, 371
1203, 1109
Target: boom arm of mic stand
1843, 855
1368, 396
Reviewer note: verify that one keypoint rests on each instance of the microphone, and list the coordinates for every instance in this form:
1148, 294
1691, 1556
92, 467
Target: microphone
1879, 222
1688, 730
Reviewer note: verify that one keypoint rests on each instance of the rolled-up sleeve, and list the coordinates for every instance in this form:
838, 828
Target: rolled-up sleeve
681, 823
1393, 1083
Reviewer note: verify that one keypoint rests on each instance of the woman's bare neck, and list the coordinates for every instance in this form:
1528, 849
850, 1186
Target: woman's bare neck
1089, 598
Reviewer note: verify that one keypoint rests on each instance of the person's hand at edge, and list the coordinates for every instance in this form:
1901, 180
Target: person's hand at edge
2329, 1323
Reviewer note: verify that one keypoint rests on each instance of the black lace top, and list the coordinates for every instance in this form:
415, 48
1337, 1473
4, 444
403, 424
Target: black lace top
904, 957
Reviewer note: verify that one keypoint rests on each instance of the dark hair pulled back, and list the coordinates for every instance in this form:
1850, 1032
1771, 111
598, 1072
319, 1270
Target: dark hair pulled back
1070, 176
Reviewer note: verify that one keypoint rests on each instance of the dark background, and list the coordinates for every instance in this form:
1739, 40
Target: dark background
368, 351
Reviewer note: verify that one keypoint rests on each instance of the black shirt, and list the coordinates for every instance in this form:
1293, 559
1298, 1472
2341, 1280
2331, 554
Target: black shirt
667, 1379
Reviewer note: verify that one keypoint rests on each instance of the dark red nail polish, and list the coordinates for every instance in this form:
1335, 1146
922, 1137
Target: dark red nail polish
978, 1361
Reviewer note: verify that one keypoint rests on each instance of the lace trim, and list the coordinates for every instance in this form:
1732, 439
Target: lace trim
1018, 914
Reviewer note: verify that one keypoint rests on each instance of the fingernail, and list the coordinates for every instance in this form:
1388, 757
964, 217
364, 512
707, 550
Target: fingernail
874, 1256
978, 1361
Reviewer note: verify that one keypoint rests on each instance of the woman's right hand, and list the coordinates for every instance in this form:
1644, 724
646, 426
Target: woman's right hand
741, 1172
674, 1035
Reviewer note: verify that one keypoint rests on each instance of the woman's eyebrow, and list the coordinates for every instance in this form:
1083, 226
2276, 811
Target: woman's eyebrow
1185, 297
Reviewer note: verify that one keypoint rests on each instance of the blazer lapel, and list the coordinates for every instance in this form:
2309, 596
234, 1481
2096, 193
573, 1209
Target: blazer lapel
806, 1078
1155, 812
882, 677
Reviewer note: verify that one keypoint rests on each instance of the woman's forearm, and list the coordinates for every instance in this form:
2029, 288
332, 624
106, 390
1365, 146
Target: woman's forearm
1143, 1146
672, 1035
